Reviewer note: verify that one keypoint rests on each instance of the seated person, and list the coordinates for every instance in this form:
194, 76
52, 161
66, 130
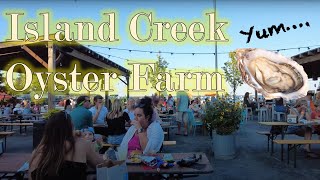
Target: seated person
17, 109
130, 108
7, 110
61, 154
303, 114
315, 115
96, 140
116, 120
279, 106
145, 134
195, 107
248, 103
27, 110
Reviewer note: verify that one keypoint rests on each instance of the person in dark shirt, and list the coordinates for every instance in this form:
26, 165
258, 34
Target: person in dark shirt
280, 107
248, 103
116, 120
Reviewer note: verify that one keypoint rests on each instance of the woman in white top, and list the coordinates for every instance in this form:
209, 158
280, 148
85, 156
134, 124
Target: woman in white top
145, 134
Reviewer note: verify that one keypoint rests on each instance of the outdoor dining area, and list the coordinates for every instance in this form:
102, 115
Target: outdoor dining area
15, 160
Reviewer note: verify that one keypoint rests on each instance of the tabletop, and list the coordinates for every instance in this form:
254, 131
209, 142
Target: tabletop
203, 166
12, 162
287, 124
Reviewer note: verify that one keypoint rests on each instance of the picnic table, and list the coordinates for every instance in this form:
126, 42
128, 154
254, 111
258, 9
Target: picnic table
12, 163
203, 166
283, 126
4, 135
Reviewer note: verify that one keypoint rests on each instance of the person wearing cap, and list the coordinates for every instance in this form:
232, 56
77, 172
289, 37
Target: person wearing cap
99, 111
81, 117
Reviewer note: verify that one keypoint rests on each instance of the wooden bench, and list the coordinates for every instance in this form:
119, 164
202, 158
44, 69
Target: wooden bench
5, 134
17, 124
268, 134
110, 145
292, 144
169, 143
25, 121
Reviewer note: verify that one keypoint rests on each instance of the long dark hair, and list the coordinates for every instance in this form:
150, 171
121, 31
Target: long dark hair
146, 105
67, 103
53, 146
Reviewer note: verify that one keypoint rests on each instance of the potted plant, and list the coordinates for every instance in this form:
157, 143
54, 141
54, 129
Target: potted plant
223, 117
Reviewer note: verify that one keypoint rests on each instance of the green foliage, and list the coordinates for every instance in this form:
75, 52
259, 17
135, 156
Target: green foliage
50, 112
232, 73
18, 83
160, 67
2, 88
223, 115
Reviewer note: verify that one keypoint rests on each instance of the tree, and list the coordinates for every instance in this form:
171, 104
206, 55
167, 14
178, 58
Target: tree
160, 67
2, 88
18, 83
232, 74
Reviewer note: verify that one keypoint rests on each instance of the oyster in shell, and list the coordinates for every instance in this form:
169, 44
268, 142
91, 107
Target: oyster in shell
272, 74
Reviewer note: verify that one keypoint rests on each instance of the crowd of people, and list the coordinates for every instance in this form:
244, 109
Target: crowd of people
306, 109
70, 140
24, 108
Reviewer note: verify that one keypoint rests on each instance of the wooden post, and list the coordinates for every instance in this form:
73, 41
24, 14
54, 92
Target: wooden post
52, 69
106, 97
256, 96
127, 79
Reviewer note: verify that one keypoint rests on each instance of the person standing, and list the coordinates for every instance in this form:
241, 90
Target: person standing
170, 104
99, 111
182, 111
81, 117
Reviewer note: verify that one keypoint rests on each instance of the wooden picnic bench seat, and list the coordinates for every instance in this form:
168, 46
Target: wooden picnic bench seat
25, 121
268, 134
16, 124
169, 143
292, 144
5, 134
110, 145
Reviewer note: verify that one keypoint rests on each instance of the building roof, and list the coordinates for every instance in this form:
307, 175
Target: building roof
310, 60
34, 52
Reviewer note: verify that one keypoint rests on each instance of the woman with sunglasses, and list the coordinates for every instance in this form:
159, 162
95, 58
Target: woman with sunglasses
61, 154
81, 116
145, 134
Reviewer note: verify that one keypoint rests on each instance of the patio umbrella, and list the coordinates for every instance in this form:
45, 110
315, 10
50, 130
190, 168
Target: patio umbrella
4, 96
210, 94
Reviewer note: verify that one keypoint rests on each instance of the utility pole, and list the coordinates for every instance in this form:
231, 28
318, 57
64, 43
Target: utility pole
215, 46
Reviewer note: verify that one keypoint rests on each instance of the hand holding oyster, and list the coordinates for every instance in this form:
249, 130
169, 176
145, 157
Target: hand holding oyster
272, 74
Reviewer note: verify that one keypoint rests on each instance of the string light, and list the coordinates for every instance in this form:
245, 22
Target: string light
199, 53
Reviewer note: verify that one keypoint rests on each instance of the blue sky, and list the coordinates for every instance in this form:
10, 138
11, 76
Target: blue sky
240, 14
